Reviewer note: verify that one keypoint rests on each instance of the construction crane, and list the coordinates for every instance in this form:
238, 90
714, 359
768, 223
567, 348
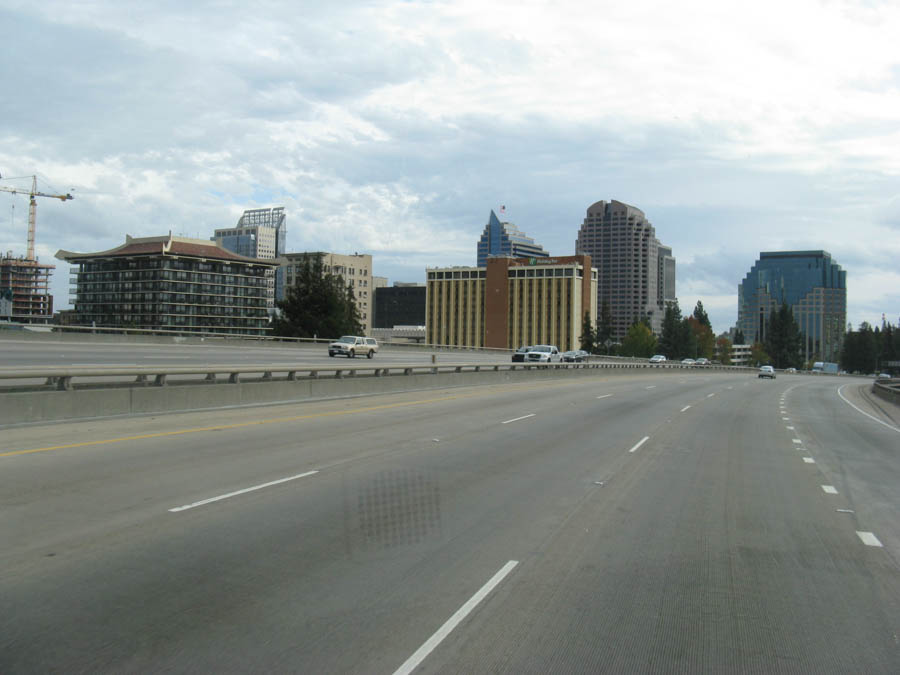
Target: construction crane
32, 208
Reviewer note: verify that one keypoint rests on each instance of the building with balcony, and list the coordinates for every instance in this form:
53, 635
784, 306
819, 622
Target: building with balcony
812, 284
505, 239
635, 280
511, 302
170, 283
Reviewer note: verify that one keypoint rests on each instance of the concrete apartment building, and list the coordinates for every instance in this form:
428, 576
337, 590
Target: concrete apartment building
812, 285
170, 283
259, 234
505, 239
356, 270
511, 302
634, 279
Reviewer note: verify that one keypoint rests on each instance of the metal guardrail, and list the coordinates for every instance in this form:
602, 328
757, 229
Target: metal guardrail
61, 378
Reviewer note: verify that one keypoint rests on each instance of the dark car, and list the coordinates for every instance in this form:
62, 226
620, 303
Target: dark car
519, 354
574, 356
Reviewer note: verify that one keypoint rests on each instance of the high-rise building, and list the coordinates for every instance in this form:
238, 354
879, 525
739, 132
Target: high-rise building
505, 239
623, 247
512, 302
356, 270
811, 284
172, 283
665, 289
260, 234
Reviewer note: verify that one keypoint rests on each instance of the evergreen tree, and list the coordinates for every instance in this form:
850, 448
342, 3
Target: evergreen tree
587, 334
701, 316
784, 341
604, 327
317, 305
669, 338
723, 350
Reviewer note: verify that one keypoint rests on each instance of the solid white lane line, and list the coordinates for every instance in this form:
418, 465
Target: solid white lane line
869, 539
422, 652
796, 440
865, 413
605, 396
687, 407
809, 460
640, 443
523, 417
240, 492
829, 489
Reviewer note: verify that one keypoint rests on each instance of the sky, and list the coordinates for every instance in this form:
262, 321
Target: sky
393, 128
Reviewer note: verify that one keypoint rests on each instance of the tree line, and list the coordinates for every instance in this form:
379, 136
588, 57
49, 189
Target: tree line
867, 350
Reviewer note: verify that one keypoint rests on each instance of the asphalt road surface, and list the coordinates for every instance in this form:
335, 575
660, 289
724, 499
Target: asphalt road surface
26, 353
699, 523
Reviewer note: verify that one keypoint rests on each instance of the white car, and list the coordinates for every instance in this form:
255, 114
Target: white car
767, 371
351, 345
687, 362
543, 354
657, 358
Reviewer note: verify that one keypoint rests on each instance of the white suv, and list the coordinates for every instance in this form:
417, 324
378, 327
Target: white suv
543, 354
351, 345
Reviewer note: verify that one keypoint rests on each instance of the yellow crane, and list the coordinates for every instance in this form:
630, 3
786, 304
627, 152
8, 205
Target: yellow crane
32, 208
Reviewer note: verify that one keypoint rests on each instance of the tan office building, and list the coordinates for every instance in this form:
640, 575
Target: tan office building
511, 302
356, 270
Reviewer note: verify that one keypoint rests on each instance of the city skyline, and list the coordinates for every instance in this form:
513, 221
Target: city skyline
735, 133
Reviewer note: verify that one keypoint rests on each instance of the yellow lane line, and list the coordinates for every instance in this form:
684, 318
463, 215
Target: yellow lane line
237, 425
276, 420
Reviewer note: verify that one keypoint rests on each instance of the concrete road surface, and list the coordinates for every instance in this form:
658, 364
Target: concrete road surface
706, 523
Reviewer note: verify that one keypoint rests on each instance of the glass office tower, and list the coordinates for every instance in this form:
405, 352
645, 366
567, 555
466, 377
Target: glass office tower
812, 285
507, 240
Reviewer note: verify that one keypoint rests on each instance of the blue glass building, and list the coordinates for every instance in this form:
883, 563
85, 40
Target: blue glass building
506, 239
812, 285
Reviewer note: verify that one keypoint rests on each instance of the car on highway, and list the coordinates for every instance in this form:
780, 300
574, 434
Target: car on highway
351, 345
702, 361
543, 354
657, 358
575, 356
766, 371
519, 354
688, 362
884, 376
791, 370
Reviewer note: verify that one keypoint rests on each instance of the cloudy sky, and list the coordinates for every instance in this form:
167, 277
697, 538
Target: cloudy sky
393, 128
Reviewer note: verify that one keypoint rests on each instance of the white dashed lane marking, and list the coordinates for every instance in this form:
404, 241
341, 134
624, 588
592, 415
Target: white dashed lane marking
829, 489
796, 441
809, 460
869, 539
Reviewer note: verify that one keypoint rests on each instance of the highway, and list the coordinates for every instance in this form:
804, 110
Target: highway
24, 353
705, 522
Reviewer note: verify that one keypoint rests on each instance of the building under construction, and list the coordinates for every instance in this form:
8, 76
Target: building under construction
25, 290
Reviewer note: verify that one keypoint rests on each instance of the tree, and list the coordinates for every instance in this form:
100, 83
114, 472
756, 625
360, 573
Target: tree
860, 351
758, 355
604, 327
640, 341
784, 341
701, 316
668, 341
703, 338
587, 334
318, 304
723, 350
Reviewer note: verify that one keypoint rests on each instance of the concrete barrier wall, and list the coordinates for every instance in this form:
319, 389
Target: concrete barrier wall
47, 406
886, 392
